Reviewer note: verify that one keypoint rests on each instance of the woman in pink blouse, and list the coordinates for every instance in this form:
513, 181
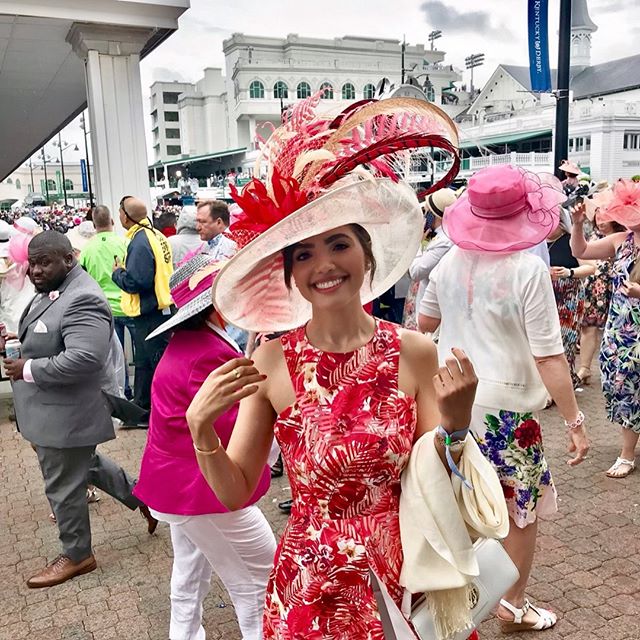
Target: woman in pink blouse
239, 546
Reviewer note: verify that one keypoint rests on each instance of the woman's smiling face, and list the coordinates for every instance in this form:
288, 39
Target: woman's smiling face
329, 269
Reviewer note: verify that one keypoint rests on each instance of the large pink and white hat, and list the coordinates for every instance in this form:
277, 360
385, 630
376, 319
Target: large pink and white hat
325, 172
504, 209
624, 205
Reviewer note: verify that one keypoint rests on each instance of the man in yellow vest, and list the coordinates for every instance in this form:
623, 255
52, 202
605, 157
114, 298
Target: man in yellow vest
144, 280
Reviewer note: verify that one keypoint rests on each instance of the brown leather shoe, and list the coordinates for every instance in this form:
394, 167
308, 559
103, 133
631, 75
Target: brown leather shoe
60, 570
152, 523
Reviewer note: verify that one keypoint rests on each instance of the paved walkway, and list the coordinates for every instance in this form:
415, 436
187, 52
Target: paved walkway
586, 569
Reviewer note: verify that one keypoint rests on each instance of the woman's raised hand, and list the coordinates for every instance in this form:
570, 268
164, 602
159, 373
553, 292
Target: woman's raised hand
579, 213
455, 386
223, 387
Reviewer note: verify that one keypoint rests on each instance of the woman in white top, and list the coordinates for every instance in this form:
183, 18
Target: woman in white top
496, 300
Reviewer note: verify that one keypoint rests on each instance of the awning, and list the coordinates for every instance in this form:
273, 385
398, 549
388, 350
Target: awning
190, 159
505, 138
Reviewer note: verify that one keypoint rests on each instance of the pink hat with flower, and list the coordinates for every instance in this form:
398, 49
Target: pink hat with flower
504, 209
624, 205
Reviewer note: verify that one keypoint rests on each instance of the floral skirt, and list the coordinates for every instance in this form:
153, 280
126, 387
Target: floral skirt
512, 442
569, 295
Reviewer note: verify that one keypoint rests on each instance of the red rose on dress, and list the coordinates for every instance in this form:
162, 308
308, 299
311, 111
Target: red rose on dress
509, 492
528, 433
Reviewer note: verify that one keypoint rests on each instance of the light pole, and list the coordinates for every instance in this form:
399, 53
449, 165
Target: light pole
473, 61
83, 126
31, 171
46, 180
67, 146
433, 36
561, 142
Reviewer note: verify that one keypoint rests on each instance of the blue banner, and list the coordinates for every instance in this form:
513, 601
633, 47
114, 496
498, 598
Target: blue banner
83, 173
539, 46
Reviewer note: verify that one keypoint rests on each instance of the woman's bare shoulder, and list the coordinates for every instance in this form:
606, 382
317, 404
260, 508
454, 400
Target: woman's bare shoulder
268, 355
418, 356
416, 344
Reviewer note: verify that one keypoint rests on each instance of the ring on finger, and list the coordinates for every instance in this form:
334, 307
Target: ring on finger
237, 373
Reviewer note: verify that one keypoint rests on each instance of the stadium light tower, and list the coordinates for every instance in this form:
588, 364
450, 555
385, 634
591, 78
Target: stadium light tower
473, 61
433, 36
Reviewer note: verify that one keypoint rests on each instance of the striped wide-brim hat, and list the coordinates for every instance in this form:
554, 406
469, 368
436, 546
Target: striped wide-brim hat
190, 287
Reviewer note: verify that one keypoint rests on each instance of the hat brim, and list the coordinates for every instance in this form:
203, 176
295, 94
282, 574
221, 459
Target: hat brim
628, 216
250, 291
192, 308
502, 235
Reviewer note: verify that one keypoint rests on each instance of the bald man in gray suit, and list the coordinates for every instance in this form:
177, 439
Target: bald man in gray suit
66, 334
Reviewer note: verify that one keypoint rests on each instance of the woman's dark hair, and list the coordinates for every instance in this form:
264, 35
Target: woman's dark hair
363, 238
196, 322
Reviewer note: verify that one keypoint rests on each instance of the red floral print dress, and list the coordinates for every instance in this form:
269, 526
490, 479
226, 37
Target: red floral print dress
345, 441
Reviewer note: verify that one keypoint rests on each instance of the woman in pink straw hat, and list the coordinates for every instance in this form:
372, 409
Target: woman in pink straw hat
495, 299
205, 535
345, 395
619, 359
571, 172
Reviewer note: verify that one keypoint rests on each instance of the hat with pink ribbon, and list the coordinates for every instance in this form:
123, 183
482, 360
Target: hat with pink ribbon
504, 209
190, 287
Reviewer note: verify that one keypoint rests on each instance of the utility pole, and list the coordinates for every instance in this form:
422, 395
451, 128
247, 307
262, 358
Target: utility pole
561, 142
404, 46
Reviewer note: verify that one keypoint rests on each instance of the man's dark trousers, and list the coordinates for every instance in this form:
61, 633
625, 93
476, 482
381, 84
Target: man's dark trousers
147, 354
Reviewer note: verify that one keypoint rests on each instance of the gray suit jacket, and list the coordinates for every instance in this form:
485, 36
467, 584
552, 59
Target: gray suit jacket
68, 342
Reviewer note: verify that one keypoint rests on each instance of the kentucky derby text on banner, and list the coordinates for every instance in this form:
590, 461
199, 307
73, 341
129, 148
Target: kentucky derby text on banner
539, 45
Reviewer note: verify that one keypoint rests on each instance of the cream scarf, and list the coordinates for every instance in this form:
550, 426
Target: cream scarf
439, 517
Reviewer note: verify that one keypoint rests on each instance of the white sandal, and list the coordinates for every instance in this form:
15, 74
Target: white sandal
617, 464
546, 619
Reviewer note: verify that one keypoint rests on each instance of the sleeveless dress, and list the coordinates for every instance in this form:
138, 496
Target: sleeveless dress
620, 351
345, 441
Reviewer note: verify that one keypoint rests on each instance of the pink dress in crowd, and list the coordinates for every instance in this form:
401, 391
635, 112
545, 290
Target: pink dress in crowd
170, 480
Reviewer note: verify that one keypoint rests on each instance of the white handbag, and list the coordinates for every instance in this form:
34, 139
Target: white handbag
497, 575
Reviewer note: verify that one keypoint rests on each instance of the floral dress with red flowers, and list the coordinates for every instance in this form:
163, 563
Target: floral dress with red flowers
512, 442
345, 441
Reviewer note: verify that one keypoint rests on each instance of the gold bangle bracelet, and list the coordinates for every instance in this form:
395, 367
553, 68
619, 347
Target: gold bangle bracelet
207, 452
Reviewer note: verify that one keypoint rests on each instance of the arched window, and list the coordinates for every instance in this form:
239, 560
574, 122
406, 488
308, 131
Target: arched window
303, 90
51, 185
280, 90
348, 91
68, 184
9, 181
327, 91
256, 90
369, 91
18, 184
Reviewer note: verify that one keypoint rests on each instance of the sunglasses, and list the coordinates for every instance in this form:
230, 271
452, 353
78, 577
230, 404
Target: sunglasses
122, 204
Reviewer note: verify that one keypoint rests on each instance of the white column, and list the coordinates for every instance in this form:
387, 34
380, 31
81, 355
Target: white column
252, 133
114, 97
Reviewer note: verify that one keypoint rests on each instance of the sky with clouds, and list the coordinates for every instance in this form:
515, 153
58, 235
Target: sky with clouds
497, 28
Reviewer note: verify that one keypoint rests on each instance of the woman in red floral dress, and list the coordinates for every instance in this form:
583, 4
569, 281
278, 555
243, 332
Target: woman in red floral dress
345, 395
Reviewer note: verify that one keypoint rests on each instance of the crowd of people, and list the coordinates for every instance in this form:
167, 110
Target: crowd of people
372, 420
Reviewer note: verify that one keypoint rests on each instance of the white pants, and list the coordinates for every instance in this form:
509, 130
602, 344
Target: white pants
239, 546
